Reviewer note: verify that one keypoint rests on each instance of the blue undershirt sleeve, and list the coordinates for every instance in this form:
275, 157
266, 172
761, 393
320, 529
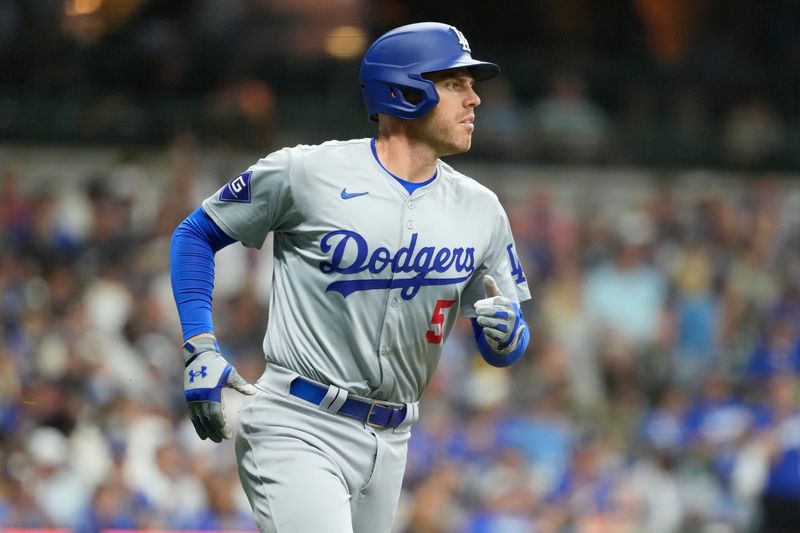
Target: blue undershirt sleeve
494, 358
194, 243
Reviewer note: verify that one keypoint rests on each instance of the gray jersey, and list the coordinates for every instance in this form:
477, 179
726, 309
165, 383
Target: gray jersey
367, 278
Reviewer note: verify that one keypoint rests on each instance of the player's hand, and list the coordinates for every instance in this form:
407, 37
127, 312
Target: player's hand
205, 373
500, 318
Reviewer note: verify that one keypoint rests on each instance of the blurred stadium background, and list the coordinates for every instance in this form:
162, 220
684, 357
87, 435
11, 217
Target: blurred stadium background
648, 153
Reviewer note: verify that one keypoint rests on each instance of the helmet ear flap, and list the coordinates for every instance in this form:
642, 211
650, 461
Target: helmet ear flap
409, 100
406, 96
412, 96
409, 95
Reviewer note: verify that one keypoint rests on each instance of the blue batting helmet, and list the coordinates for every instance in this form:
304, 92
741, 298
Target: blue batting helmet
397, 60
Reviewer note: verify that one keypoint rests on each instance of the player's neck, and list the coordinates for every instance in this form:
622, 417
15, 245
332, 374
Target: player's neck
414, 162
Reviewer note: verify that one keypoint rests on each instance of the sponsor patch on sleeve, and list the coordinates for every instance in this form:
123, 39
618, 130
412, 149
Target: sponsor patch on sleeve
237, 189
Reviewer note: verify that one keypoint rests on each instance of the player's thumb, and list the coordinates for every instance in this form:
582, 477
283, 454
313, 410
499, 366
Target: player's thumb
490, 286
237, 382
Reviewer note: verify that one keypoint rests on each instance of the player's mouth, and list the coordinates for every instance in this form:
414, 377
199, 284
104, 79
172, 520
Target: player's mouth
469, 121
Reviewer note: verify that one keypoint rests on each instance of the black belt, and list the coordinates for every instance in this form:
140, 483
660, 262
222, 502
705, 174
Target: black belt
372, 413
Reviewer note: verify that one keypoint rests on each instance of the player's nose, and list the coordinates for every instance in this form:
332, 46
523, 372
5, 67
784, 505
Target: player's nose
472, 100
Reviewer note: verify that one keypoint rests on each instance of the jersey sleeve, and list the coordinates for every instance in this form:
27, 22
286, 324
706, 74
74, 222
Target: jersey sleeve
502, 262
257, 201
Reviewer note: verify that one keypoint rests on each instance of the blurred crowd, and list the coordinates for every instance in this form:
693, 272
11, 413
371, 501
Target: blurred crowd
644, 81
659, 393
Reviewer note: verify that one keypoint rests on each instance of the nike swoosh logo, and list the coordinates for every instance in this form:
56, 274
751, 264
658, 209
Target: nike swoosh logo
347, 195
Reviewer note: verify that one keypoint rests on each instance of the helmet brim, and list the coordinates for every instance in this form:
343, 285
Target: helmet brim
480, 70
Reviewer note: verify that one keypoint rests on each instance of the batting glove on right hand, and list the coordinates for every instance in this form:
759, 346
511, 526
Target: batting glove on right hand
206, 373
500, 317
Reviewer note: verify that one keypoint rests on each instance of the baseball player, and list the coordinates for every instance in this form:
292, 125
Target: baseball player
378, 246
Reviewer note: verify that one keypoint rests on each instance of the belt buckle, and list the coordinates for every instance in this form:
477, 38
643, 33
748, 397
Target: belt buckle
375, 403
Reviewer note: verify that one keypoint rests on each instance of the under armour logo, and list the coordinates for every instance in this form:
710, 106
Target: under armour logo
462, 40
202, 373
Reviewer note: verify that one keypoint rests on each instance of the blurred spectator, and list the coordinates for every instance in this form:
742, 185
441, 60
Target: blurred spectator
113, 506
248, 104
565, 123
697, 314
500, 121
778, 353
168, 483
544, 435
507, 491
626, 295
625, 299
224, 512
594, 492
18, 507
435, 507
59, 490
655, 472
754, 133
782, 452
718, 424
663, 429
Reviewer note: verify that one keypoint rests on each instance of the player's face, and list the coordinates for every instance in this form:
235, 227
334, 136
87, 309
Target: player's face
448, 127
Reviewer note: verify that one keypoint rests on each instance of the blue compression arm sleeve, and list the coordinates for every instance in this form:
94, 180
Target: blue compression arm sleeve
194, 243
494, 358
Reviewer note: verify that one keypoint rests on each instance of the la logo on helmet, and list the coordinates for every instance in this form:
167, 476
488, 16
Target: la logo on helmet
462, 40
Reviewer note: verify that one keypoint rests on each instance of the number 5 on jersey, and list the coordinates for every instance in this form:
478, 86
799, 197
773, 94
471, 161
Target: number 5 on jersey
436, 333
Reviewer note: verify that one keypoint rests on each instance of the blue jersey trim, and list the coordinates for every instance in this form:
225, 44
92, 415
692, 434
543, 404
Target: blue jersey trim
409, 186
494, 358
194, 243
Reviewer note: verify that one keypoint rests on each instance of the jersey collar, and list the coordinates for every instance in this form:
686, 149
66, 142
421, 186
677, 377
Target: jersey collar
409, 186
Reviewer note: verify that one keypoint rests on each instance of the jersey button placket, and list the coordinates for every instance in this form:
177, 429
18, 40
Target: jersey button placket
393, 298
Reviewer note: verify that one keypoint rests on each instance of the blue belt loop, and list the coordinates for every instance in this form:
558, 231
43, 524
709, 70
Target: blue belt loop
373, 413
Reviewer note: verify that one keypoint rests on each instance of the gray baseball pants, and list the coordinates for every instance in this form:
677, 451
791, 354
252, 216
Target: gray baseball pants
307, 470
